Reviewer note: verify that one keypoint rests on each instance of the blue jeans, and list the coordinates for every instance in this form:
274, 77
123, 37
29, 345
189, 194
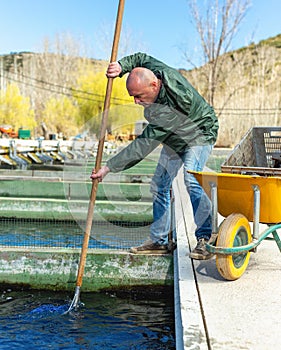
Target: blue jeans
193, 158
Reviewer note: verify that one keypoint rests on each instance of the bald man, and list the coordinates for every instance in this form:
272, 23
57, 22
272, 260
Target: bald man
185, 125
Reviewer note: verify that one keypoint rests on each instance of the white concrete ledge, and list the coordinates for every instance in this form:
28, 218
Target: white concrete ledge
189, 324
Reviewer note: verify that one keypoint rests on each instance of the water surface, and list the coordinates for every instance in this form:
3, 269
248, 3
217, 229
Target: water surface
36, 320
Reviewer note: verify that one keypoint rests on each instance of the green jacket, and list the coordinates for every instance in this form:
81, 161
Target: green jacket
180, 117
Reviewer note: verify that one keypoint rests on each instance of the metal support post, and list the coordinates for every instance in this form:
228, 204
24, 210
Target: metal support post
214, 200
256, 218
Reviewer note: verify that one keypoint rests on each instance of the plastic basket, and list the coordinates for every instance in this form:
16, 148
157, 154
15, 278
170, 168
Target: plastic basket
258, 152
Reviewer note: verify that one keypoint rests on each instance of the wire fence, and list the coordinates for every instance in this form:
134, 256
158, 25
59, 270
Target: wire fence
30, 233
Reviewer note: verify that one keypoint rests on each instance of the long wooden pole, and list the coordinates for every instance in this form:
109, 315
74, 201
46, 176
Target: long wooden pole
93, 195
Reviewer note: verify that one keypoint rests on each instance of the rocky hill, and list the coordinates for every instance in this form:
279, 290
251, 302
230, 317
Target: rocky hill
249, 90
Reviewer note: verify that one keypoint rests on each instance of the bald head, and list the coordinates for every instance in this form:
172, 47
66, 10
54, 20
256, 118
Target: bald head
140, 76
143, 85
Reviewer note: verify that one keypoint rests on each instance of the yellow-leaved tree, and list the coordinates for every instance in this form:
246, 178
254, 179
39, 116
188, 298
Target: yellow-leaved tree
15, 109
60, 116
123, 112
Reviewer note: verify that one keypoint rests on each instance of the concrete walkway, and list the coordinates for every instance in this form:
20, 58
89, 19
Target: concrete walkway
212, 313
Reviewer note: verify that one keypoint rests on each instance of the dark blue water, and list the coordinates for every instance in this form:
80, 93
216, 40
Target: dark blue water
36, 320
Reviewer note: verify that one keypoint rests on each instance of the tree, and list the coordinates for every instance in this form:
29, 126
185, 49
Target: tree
91, 102
15, 109
216, 23
130, 41
60, 116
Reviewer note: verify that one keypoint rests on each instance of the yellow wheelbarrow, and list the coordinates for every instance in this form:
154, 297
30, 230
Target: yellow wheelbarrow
241, 199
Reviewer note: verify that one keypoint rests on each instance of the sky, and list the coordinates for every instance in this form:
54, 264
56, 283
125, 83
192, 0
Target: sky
163, 29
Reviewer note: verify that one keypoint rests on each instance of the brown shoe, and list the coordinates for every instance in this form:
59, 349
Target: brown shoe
213, 239
150, 247
200, 252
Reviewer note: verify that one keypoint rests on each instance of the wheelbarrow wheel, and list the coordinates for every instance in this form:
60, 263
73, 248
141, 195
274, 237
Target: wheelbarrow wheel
235, 231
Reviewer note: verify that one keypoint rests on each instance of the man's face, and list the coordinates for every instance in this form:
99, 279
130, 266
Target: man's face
144, 95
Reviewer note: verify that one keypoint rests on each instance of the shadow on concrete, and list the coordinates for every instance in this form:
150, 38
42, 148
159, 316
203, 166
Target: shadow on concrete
208, 269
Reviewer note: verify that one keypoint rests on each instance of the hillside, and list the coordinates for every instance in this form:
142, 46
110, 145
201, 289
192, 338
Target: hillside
248, 92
